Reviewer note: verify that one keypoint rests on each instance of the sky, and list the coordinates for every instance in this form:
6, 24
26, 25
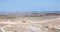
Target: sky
29, 5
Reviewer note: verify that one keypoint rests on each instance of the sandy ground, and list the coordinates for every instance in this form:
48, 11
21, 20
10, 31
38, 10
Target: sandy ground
30, 24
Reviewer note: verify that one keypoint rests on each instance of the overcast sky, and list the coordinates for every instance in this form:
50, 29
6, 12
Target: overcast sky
29, 5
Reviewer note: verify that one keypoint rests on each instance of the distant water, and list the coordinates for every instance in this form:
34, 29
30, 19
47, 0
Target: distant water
30, 12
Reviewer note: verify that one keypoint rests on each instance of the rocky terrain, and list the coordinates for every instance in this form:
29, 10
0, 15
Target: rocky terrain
29, 22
